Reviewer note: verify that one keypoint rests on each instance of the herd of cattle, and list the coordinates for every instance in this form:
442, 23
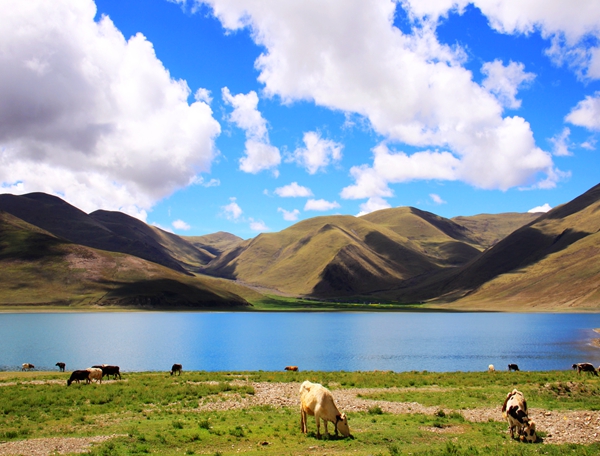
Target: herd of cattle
317, 401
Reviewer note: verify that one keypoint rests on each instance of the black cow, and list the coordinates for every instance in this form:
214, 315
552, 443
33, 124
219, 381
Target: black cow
585, 367
513, 367
61, 366
176, 368
79, 375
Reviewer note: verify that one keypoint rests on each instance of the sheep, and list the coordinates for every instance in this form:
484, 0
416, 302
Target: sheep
78, 375
27, 366
317, 401
514, 410
176, 368
491, 368
291, 368
61, 366
585, 367
95, 374
513, 367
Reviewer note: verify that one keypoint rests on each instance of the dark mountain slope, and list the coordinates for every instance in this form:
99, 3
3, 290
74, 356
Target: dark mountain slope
215, 243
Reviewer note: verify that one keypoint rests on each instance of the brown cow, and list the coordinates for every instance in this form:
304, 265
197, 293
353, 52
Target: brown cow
291, 368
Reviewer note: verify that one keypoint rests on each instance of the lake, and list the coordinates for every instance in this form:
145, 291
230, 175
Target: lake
349, 341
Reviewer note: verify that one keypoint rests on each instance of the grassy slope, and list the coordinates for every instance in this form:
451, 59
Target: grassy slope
158, 414
38, 268
215, 243
491, 228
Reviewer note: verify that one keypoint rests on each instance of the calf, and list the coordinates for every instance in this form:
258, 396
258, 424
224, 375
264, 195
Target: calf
585, 367
317, 401
513, 367
176, 368
27, 366
78, 375
61, 366
291, 368
514, 411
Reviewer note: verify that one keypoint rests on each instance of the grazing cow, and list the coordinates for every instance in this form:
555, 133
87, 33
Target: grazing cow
491, 368
291, 368
107, 371
317, 401
95, 374
176, 368
78, 375
27, 366
61, 366
514, 411
513, 367
585, 367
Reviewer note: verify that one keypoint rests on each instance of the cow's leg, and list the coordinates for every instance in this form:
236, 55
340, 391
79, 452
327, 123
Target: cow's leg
318, 421
303, 421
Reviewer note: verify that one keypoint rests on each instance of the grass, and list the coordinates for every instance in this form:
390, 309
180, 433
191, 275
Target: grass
155, 413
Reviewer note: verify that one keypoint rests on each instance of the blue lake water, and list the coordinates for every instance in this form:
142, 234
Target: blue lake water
216, 341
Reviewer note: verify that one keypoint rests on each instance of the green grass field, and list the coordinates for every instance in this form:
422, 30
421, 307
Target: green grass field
155, 413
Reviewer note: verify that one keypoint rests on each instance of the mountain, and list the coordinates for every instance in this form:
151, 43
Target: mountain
551, 262
39, 268
215, 243
112, 231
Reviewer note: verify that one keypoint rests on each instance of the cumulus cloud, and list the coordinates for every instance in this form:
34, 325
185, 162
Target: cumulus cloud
258, 225
318, 153
504, 81
437, 199
544, 208
290, 216
348, 56
181, 225
373, 204
91, 116
586, 113
232, 211
320, 205
561, 143
260, 154
293, 190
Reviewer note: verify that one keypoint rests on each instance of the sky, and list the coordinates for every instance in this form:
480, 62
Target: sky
247, 116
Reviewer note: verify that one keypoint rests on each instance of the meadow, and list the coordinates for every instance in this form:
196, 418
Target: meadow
222, 413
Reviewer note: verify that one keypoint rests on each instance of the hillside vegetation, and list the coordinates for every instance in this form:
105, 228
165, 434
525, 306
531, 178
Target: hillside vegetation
400, 255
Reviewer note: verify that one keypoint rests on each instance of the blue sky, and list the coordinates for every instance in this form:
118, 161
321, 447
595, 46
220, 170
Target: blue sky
247, 116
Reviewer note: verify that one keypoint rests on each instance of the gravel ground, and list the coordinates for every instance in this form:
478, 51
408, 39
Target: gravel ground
581, 427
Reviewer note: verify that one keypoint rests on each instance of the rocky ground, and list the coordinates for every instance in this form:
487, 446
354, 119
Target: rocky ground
581, 427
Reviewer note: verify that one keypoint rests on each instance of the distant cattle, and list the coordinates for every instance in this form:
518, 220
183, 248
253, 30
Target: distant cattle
78, 375
513, 367
585, 367
491, 368
176, 368
291, 368
317, 401
107, 371
27, 366
515, 412
61, 366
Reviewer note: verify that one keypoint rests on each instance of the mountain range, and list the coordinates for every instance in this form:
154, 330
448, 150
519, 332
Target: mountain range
53, 253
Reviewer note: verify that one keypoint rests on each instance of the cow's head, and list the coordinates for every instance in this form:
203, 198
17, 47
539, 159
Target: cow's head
341, 424
528, 433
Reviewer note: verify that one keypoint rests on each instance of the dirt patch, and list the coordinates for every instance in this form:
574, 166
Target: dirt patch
582, 427
54, 445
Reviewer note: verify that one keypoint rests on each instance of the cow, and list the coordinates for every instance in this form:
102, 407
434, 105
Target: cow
27, 366
107, 371
317, 401
291, 368
61, 366
585, 367
176, 368
78, 375
95, 374
491, 368
513, 367
514, 410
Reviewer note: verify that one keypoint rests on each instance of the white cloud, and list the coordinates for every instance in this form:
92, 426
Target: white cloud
318, 153
373, 204
293, 190
544, 208
181, 225
437, 199
586, 113
347, 56
258, 225
504, 81
90, 116
232, 210
290, 216
561, 143
203, 95
260, 154
320, 205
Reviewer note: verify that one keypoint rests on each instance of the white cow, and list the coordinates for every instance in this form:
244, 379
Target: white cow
514, 411
317, 401
95, 374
